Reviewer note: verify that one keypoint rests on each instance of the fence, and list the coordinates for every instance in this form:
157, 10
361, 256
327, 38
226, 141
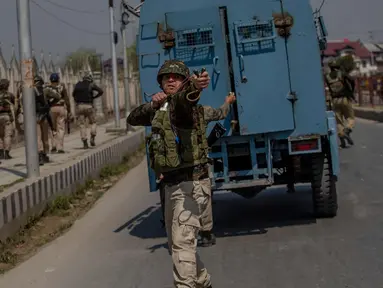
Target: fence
369, 91
104, 105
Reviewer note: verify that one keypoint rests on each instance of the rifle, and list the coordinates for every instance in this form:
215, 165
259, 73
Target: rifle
68, 124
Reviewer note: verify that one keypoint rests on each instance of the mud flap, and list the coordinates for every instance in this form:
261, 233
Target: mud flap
333, 142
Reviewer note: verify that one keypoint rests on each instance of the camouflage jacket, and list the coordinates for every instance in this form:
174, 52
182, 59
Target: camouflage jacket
7, 99
62, 91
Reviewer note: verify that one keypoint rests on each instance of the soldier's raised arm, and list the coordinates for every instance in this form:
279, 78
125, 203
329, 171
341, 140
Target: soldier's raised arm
213, 114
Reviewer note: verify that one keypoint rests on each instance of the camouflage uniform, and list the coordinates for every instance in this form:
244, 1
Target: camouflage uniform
342, 92
85, 110
60, 109
186, 190
7, 99
43, 117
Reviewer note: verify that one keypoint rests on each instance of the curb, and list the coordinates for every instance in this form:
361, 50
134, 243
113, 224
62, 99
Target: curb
30, 198
369, 114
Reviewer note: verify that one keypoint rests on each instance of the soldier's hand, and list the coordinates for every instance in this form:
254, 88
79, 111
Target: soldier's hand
202, 81
230, 99
158, 99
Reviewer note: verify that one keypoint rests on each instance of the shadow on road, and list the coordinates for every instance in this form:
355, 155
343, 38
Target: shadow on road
236, 216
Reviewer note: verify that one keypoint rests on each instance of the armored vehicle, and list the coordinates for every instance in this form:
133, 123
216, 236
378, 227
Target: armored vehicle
268, 53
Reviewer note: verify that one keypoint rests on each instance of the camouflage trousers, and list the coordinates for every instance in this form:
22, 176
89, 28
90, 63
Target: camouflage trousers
42, 136
86, 111
184, 204
207, 211
344, 114
6, 131
59, 115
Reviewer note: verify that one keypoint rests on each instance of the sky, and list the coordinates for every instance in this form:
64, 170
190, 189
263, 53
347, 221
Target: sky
344, 19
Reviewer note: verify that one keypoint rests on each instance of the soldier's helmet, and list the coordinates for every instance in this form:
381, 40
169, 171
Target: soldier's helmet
38, 80
173, 67
4, 84
54, 77
88, 77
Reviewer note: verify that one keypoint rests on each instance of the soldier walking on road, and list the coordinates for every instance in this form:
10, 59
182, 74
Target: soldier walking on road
83, 97
60, 111
178, 121
43, 117
341, 88
7, 99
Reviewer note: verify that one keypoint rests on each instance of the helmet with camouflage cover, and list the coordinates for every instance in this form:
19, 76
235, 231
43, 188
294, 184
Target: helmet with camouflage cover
174, 67
4, 84
38, 80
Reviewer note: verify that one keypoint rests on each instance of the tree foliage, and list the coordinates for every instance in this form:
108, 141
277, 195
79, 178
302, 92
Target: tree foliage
77, 59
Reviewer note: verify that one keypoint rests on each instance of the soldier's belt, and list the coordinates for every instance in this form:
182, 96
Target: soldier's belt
186, 174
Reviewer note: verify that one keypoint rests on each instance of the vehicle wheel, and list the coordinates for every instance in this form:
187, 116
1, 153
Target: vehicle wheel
323, 184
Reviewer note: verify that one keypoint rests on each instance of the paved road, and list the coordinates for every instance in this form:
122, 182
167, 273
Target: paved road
269, 241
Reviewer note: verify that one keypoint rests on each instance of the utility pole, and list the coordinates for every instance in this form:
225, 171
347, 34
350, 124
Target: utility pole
124, 24
113, 42
30, 127
126, 70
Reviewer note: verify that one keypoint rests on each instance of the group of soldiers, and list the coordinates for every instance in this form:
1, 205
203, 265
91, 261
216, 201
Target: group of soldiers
341, 96
53, 112
178, 152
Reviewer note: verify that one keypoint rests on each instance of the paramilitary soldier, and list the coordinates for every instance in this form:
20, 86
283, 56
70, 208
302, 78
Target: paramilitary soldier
83, 97
43, 117
341, 88
60, 111
178, 150
207, 238
7, 99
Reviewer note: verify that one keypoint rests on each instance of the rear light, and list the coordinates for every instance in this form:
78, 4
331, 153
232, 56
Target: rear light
305, 145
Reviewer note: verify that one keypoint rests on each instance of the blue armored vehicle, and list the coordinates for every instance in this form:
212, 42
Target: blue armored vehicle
268, 53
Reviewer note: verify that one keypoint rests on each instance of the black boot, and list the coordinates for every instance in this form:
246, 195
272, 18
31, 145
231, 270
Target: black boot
45, 158
41, 159
347, 137
86, 146
92, 142
54, 150
342, 142
6, 155
207, 239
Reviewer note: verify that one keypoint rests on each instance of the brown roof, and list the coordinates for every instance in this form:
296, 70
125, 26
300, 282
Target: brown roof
334, 46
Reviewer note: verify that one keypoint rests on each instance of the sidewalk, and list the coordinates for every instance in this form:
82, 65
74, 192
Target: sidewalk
14, 170
369, 113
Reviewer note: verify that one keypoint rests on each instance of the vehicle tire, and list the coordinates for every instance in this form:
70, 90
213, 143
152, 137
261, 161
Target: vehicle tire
323, 184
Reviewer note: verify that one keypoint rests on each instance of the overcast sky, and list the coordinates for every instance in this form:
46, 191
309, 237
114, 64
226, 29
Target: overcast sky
344, 18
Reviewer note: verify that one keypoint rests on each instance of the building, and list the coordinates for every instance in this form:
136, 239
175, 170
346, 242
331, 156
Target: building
363, 57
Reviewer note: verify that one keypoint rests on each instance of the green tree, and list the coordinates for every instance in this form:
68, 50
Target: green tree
77, 59
347, 63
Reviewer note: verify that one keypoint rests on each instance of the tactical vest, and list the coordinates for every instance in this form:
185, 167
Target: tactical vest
172, 148
5, 104
336, 85
82, 93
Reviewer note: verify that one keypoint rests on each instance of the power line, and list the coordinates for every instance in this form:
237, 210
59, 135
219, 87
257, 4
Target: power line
65, 22
74, 10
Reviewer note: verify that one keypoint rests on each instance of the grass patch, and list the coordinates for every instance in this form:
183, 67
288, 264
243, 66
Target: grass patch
61, 213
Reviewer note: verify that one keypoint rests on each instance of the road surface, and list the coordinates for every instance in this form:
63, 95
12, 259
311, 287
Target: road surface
269, 241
